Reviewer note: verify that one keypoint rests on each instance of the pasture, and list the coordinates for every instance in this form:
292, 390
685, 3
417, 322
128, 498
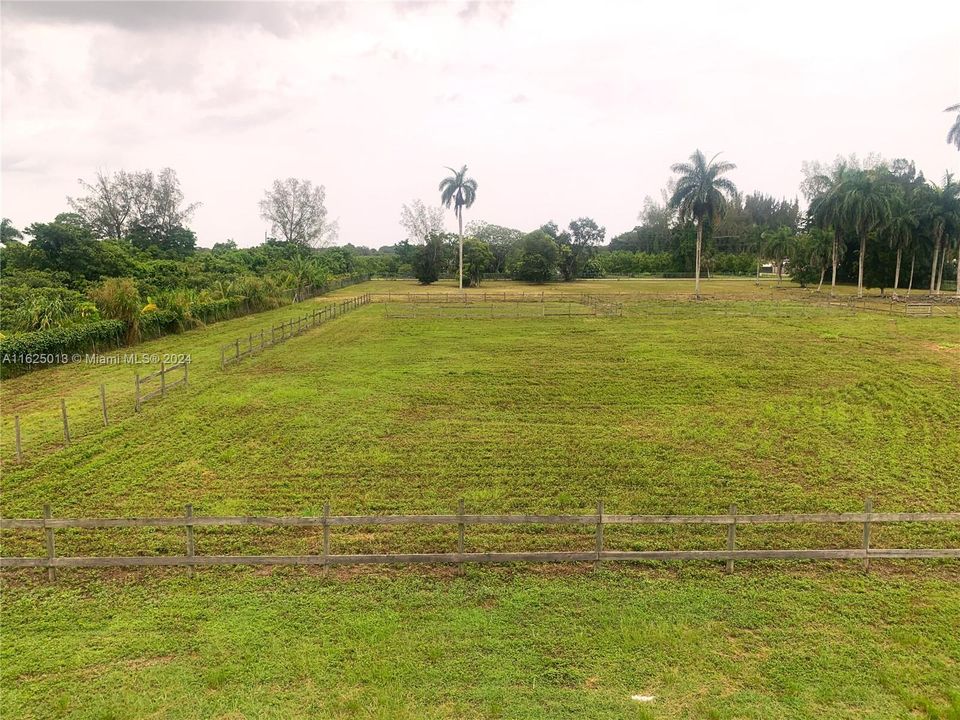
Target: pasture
675, 407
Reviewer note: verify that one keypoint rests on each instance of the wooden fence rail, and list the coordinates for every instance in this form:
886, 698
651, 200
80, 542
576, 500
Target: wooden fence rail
257, 342
161, 376
189, 521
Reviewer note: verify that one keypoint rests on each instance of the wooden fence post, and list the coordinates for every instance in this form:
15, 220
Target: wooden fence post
326, 536
237, 349
51, 546
16, 432
186, 373
460, 533
732, 536
261, 339
867, 508
103, 404
188, 522
66, 424
222, 361
163, 380
596, 563
137, 406
250, 342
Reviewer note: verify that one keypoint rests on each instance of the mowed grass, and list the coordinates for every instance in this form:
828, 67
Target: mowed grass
492, 644
672, 408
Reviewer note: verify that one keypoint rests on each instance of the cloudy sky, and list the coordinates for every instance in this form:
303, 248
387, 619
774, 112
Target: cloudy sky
560, 109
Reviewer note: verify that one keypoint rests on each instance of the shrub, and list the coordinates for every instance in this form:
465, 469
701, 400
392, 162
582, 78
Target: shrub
21, 351
119, 299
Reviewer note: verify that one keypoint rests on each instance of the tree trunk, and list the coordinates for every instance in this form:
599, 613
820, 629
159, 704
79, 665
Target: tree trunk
460, 220
779, 273
943, 261
758, 271
696, 269
823, 271
913, 259
936, 259
833, 275
958, 268
863, 252
896, 274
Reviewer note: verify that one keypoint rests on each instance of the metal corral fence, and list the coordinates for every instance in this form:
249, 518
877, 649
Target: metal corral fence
257, 342
599, 520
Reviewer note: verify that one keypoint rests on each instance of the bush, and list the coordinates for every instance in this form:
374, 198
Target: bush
119, 299
535, 259
24, 350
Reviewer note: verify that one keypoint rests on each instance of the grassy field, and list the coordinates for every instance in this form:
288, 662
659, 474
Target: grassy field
672, 408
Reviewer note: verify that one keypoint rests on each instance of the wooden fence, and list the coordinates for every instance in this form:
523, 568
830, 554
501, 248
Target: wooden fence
159, 377
257, 342
600, 519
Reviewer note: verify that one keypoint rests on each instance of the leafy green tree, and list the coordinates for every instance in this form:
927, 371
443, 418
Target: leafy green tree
500, 239
461, 191
535, 258
430, 259
578, 245
700, 196
477, 258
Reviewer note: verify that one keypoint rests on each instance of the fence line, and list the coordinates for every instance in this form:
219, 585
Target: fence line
288, 329
189, 521
922, 305
165, 386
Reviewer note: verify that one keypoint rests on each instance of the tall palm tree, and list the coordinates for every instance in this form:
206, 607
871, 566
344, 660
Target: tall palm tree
953, 136
461, 191
864, 206
901, 228
825, 209
944, 220
777, 246
701, 196
821, 251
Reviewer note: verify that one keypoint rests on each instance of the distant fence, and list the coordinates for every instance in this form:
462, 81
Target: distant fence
497, 305
730, 521
160, 378
928, 307
257, 342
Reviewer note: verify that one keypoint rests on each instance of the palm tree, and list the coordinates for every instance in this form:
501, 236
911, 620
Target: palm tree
953, 136
700, 195
777, 246
461, 191
821, 251
901, 228
944, 219
826, 212
864, 206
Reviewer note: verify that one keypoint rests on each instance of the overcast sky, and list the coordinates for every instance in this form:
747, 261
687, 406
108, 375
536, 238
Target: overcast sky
560, 109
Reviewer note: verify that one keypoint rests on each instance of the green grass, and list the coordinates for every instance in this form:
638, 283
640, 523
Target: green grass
672, 408
494, 644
